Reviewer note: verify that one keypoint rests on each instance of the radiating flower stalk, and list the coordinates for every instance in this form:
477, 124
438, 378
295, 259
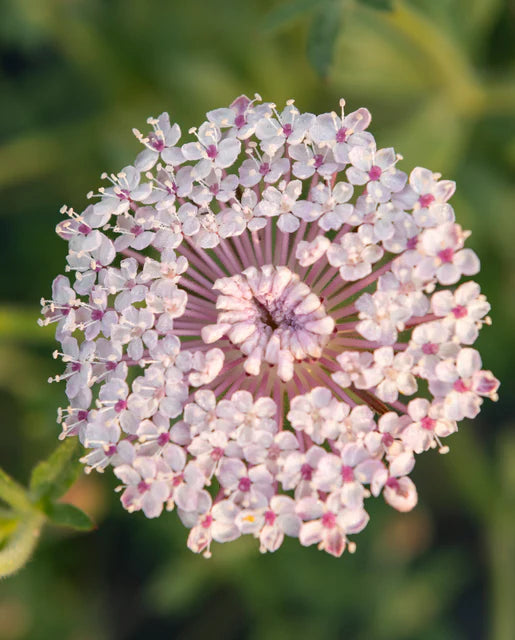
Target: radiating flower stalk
265, 325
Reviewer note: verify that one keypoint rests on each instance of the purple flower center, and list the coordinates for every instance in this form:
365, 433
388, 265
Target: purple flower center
137, 230
375, 172
412, 243
393, 483
111, 366
341, 134
239, 121
318, 160
97, 314
212, 151
244, 484
287, 130
163, 439
264, 168
306, 471
156, 142
111, 450
84, 228
82, 415
120, 406
76, 366
217, 453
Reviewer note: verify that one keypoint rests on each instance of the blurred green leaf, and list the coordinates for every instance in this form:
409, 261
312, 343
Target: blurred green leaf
51, 478
322, 37
68, 515
19, 547
382, 5
286, 12
13, 493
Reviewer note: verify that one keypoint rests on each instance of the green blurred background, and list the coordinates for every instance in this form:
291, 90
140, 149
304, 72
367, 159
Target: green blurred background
439, 78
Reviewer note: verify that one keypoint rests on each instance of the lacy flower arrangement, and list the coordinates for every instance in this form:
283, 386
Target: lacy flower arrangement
265, 325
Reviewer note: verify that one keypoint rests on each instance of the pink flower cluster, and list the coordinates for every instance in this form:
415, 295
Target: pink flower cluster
265, 325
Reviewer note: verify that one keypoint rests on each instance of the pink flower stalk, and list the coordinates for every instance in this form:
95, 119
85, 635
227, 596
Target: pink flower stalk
251, 317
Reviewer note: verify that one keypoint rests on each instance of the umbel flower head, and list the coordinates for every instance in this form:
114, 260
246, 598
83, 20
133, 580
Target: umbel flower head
261, 327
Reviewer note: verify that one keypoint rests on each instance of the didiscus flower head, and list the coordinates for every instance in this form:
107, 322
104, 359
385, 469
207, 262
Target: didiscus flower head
250, 317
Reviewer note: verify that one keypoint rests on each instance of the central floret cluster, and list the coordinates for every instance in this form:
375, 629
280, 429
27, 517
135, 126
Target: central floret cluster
272, 317
265, 325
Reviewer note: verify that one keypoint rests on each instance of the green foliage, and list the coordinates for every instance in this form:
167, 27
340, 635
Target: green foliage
381, 5
323, 32
51, 478
67, 515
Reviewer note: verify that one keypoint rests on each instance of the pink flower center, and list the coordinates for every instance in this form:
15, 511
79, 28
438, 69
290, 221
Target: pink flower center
393, 483
287, 130
425, 200
111, 450
264, 168
427, 423
446, 255
82, 415
341, 134
244, 484
178, 479
97, 314
84, 228
212, 151
318, 160
460, 386
239, 121
306, 472
430, 348
121, 405
329, 520
459, 312
270, 517
412, 243
375, 172
143, 486
137, 230
206, 523
387, 439
347, 474
217, 453
76, 367
163, 439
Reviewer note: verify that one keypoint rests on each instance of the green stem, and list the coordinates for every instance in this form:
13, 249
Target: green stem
13, 494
